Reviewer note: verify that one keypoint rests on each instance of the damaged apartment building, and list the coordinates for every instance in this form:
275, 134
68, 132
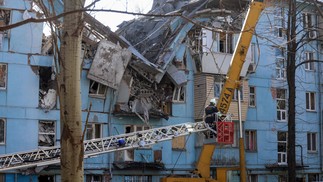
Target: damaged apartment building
153, 71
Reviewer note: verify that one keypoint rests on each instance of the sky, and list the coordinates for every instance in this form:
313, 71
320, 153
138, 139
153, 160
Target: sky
114, 19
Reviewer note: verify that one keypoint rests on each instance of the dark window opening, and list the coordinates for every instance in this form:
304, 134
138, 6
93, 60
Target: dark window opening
47, 88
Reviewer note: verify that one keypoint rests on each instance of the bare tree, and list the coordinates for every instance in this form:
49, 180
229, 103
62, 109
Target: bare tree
72, 148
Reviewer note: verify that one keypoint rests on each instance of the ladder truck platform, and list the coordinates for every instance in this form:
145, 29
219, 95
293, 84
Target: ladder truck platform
51, 155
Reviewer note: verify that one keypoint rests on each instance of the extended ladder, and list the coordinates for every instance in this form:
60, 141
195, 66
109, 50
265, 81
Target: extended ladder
51, 155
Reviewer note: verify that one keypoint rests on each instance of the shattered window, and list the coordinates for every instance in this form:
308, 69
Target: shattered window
47, 88
137, 178
2, 131
179, 94
3, 76
94, 178
4, 20
93, 131
46, 133
97, 89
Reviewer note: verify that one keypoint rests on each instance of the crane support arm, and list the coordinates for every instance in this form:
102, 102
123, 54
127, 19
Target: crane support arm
239, 55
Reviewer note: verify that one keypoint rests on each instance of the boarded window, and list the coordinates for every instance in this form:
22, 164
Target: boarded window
178, 143
3, 76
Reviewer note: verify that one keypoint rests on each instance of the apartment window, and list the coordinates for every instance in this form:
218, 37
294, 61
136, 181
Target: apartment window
47, 88
137, 178
223, 42
93, 131
279, 32
3, 76
2, 131
309, 56
314, 177
251, 140
129, 154
282, 147
235, 94
310, 101
4, 20
282, 178
252, 96
94, 178
179, 94
2, 177
46, 133
311, 142
309, 24
309, 20
281, 104
280, 68
47, 178
253, 178
217, 89
97, 89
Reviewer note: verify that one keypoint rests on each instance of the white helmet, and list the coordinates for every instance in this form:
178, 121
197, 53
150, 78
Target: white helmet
213, 101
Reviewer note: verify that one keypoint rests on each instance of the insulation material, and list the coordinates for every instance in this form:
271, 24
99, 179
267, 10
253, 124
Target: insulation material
49, 99
109, 64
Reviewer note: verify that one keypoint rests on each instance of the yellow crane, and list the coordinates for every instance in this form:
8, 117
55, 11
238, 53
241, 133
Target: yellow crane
223, 103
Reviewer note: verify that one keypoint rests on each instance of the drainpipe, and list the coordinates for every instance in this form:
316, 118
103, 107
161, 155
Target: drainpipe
243, 172
320, 107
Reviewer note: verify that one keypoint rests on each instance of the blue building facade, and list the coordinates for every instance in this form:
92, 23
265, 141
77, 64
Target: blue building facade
165, 87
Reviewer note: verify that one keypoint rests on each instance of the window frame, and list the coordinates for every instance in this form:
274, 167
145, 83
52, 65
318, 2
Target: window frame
4, 75
281, 112
235, 94
89, 178
137, 178
252, 96
48, 133
310, 101
97, 93
251, 140
93, 128
311, 142
309, 66
282, 155
4, 130
280, 68
179, 94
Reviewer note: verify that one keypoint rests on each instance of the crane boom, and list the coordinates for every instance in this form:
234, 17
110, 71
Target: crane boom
51, 155
239, 56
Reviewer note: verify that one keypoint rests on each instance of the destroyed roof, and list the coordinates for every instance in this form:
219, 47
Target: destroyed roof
154, 36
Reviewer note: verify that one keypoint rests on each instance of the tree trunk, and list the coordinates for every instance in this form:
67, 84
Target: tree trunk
72, 149
291, 68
